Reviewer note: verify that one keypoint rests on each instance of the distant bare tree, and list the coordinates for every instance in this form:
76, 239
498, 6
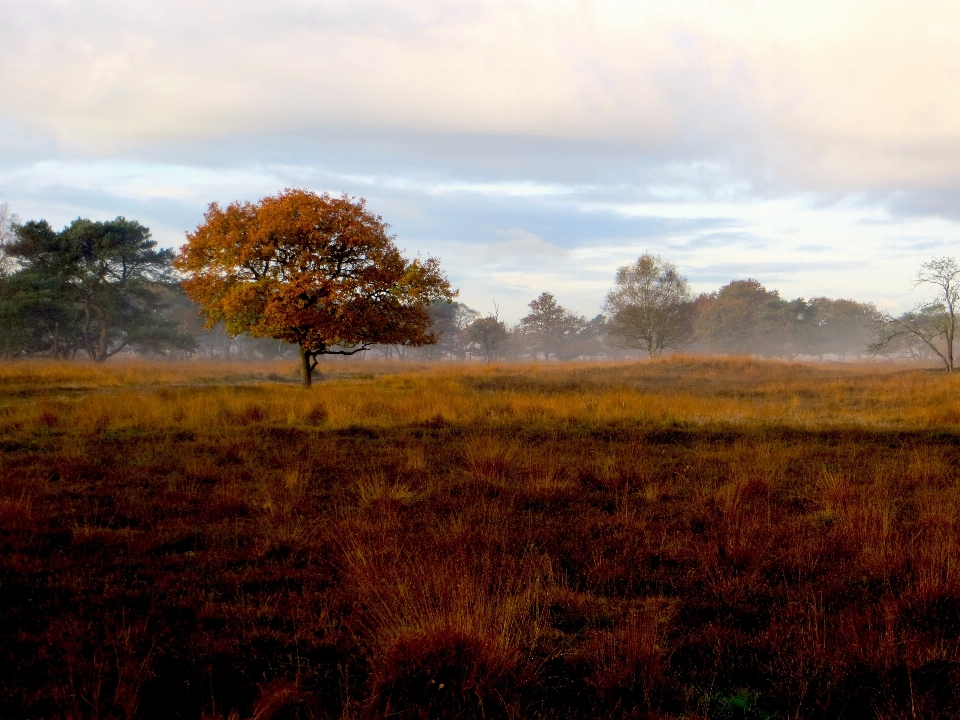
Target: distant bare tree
932, 321
650, 307
905, 345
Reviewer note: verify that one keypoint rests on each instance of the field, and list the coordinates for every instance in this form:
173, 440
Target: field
689, 538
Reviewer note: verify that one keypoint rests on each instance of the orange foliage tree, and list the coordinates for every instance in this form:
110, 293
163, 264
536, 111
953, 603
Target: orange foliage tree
311, 270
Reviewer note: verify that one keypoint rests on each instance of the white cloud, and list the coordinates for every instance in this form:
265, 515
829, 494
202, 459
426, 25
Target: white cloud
143, 181
818, 95
522, 248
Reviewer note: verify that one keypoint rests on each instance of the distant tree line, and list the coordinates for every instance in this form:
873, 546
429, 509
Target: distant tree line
742, 317
99, 289
651, 310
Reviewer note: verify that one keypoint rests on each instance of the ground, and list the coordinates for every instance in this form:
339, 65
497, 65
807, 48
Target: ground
689, 538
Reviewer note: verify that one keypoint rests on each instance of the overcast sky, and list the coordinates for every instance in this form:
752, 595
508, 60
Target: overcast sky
812, 145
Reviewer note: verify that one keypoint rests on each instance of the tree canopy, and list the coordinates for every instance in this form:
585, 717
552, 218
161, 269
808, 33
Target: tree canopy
311, 270
92, 287
548, 327
488, 335
323, 274
731, 321
650, 306
844, 327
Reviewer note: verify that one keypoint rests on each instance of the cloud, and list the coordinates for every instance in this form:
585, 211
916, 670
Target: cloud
920, 244
524, 247
941, 203
721, 240
142, 181
771, 271
837, 96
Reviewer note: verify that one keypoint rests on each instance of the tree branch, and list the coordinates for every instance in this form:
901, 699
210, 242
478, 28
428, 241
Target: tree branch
906, 330
345, 352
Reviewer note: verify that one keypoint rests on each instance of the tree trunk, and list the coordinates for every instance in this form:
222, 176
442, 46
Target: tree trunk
306, 370
102, 344
950, 332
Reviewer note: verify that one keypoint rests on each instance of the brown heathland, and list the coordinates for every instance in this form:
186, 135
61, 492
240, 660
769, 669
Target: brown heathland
686, 538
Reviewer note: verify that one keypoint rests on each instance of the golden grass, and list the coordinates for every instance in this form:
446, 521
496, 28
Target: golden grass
680, 392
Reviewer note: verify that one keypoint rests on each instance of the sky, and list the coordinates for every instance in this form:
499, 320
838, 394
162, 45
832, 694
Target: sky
813, 145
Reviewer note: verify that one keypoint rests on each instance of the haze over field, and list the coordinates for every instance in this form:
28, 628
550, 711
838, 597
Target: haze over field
532, 146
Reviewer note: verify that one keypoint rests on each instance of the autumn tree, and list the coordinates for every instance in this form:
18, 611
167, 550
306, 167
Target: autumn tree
650, 306
730, 321
315, 271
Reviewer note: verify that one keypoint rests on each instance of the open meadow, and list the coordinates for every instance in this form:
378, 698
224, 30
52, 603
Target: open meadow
686, 538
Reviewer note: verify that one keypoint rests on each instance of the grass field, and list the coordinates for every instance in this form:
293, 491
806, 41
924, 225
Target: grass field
691, 538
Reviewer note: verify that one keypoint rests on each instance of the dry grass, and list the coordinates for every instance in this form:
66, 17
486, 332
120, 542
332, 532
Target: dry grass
719, 538
680, 392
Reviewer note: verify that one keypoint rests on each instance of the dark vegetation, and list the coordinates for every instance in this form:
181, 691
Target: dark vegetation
685, 539
98, 288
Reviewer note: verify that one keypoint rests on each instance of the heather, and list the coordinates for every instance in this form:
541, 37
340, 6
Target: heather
684, 538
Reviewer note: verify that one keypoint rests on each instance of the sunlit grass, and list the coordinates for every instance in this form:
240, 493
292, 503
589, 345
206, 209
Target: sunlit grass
680, 392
